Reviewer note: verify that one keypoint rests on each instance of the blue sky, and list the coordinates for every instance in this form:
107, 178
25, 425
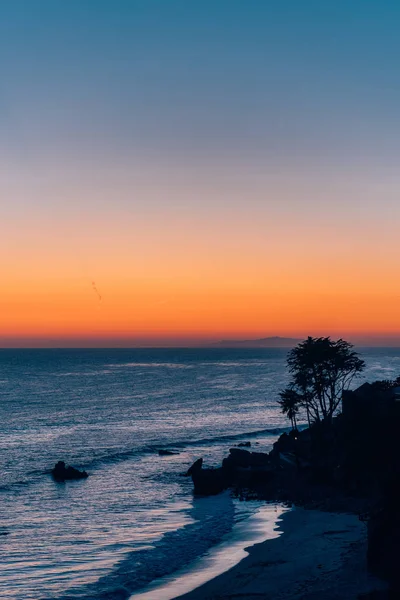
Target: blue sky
256, 79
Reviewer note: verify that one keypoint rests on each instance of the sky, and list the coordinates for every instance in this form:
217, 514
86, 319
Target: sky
177, 172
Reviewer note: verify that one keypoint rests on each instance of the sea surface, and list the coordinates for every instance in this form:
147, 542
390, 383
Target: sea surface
134, 520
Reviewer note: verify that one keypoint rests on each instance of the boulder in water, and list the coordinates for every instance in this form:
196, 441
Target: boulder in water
244, 459
196, 466
208, 482
244, 445
163, 452
63, 473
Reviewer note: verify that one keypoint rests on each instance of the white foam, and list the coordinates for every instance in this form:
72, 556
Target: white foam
261, 526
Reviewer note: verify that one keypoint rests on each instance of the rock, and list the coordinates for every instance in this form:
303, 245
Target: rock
384, 535
245, 469
196, 466
209, 482
166, 452
284, 443
241, 469
244, 459
63, 473
244, 445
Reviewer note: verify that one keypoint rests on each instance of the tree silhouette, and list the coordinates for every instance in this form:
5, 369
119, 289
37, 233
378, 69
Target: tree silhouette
290, 402
321, 369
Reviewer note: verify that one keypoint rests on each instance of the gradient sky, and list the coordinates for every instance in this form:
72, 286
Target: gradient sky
218, 168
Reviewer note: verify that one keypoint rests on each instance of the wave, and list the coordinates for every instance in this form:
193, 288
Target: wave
140, 451
179, 445
212, 519
116, 457
151, 365
230, 437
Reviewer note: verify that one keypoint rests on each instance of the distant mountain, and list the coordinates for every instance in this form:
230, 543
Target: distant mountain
268, 342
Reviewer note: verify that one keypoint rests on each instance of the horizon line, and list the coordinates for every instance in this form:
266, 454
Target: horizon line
182, 347
366, 340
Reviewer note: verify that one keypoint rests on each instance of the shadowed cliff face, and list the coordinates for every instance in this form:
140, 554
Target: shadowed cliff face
384, 535
351, 463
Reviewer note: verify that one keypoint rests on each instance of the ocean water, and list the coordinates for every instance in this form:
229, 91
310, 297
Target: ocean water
134, 520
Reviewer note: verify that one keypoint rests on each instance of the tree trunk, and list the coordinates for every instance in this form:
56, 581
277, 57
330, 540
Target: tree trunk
308, 415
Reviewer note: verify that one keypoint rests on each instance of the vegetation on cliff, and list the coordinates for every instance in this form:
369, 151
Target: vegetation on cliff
321, 369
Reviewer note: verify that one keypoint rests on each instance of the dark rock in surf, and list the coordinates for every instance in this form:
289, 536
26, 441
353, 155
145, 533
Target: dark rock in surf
239, 458
244, 445
246, 469
209, 482
196, 466
162, 452
63, 473
240, 468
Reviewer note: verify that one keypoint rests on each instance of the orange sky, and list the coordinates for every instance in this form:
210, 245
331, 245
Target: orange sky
216, 171
268, 263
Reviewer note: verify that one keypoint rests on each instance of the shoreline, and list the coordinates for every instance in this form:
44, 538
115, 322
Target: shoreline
261, 526
314, 554
318, 555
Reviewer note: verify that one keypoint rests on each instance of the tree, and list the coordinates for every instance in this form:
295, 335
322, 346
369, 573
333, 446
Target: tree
290, 403
382, 385
321, 370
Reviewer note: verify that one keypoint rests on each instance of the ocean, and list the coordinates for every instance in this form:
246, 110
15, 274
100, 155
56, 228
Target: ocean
134, 521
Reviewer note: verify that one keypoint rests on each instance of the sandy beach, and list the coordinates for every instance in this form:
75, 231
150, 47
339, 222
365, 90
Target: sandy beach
320, 555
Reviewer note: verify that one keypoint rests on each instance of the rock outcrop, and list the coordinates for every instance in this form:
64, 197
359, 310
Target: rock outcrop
384, 536
196, 466
209, 482
241, 468
239, 458
63, 473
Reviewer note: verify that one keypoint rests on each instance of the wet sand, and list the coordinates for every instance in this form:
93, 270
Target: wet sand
262, 525
319, 556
